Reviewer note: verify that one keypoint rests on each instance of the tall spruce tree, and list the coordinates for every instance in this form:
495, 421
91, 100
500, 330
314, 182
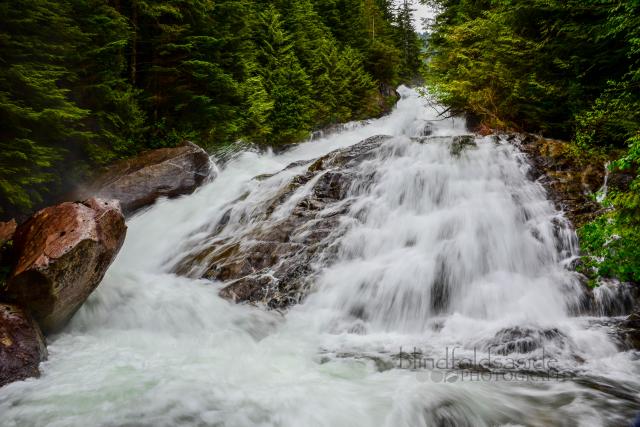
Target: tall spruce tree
408, 41
103, 86
284, 80
39, 124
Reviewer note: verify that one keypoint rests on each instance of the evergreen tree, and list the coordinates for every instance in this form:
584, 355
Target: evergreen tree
180, 68
38, 122
408, 40
344, 89
102, 85
284, 80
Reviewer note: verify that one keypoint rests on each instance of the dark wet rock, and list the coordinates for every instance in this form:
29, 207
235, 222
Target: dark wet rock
574, 264
272, 261
474, 124
627, 394
139, 181
570, 179
441, 288
381, 363
293, 165
22, 346
427, 130
432, 139
614, 298
611, 298
624, 331
62, 254
583, 304
461, 143
629, 330
621, 179
7, 230
449, 413
522, 340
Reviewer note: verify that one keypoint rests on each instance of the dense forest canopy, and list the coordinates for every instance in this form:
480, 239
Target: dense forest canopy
87, 82
565, 68
543, 65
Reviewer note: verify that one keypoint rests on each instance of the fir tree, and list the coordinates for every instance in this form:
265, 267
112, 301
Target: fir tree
38, 123
284, 80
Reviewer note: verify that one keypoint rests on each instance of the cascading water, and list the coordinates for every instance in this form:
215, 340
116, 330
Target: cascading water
442, 245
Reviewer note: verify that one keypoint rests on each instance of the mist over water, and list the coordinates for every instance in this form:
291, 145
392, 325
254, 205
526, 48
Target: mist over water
446, 244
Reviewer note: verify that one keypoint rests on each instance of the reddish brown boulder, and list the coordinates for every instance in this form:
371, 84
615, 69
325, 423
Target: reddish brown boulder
7, 229
22, 346
139, 181
62, 253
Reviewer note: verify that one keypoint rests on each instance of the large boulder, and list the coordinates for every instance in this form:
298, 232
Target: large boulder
22, 346
272, 261
139, 181
62, 254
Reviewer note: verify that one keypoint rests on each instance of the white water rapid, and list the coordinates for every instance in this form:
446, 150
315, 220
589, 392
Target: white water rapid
448, 254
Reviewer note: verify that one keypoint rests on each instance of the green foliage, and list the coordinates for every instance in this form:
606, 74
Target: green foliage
341, 85
284, 79
613, 248
534, 65
38, 120
613, 118
114, 115
87, 82
408, 41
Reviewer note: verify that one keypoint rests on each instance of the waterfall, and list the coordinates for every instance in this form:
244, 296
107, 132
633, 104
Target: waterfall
441, 248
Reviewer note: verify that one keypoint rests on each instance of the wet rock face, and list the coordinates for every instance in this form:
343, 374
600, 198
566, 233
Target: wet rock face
272, 262
22, 346
460, 143
139, 181
522, 340
613, 298
629, 330
570, 180
62, 254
